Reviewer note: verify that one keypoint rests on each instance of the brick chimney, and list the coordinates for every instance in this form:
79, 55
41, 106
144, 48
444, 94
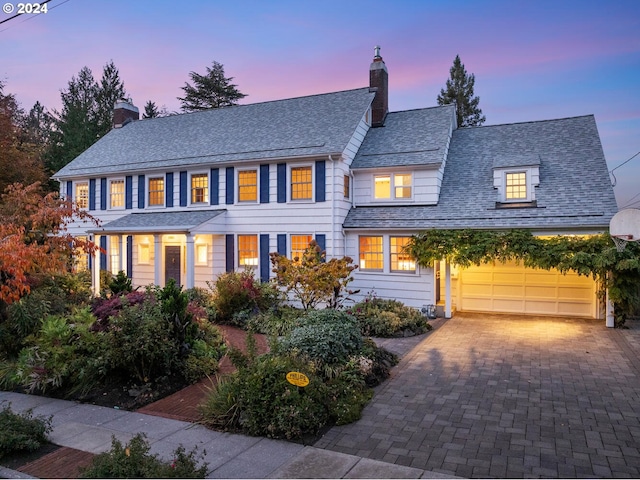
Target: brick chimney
124, 112
379, 83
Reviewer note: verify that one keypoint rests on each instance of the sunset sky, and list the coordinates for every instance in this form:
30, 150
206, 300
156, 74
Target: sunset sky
533, 60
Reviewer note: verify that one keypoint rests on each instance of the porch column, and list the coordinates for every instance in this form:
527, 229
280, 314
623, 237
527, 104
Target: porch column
447, 289
191, 274
157, 251
609, 311
95, 271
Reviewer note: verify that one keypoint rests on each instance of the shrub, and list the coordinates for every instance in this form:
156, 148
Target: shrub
325, 336
105, 308
388, 318
239, 294
135, 461
21, 431
120, 284
23, 319
276, 322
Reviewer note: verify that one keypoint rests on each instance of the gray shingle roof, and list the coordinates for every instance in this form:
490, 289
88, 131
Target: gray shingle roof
391, 146
574, 191
184, 221
313, 125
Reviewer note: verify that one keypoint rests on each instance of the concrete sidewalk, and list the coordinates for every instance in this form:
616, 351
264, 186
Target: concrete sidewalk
90, 428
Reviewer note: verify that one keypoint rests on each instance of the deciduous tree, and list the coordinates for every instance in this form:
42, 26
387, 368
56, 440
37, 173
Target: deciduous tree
459, 90
212, 90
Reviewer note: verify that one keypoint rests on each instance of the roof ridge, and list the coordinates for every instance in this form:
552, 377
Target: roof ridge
422, 108
589, 115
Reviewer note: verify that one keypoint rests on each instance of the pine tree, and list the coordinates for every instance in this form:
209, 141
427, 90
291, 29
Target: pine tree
212, 90
110, 90
459, 90
150, 110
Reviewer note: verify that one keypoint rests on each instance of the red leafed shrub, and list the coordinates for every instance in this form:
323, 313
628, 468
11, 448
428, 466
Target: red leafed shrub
104, 308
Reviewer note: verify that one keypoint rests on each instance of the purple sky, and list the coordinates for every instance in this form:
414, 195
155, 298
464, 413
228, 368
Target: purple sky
532, 60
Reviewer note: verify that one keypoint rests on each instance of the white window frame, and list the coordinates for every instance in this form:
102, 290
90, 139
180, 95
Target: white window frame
164, 191
290, 183
242, 261
392, 187
398, 254
199, 247
243, 170
527, 186
124, 193
207, 188
77, 197
362, 261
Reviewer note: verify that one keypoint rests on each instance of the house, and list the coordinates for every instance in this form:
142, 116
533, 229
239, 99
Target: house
194, 195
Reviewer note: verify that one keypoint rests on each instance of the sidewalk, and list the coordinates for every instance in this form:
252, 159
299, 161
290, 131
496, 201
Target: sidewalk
89, 428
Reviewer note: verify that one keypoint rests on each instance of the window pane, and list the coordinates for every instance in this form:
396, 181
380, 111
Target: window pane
248, 250
382, 187
400, 260
402, 185
371, 254
82, 195
347, 186
115, 254
144, 255
201, 254
199, 188
299, 244
248, 186
81, 258
516, 186
117, 193
156, 191
301, 184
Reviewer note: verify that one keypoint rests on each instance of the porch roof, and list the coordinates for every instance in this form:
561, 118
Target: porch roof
200, 221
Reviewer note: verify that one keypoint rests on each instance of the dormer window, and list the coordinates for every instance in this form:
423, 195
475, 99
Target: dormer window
393, 186
516, 186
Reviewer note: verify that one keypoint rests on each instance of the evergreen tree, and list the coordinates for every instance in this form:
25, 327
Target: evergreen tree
150, 110
86, 115
212, 90
459, 90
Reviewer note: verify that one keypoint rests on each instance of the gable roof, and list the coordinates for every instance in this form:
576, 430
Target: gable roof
409, 138
574, 191
304, 126
183, 221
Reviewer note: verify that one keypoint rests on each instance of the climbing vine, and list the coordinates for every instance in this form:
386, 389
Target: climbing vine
594, 256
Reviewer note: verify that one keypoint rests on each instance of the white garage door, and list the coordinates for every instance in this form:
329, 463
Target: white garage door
512, 288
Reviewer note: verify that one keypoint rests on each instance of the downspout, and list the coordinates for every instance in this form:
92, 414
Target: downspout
333, 206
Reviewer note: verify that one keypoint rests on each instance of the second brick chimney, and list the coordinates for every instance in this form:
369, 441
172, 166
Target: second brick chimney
379, 83
124, 112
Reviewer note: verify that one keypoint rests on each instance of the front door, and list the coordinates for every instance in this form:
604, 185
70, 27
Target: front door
172, 264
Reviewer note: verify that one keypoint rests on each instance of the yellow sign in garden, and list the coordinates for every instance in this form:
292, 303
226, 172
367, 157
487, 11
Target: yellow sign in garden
298, 379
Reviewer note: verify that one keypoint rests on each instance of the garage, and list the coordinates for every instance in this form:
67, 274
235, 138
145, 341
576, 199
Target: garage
513, 288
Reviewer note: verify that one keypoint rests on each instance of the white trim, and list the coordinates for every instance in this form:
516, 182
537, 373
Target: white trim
237, 182
392, 188
311, 167
110, 193
148, 192
190, 201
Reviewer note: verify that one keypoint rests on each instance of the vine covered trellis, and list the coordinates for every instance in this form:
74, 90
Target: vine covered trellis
593, 255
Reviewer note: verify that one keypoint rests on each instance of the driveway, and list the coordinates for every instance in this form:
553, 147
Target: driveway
506, 396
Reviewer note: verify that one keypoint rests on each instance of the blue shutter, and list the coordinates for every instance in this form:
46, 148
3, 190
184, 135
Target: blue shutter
128, 192
141, 186
214, 188
320, 181
103, 253
92, 194
168, 189
103, 194
282, 244
282, 183
264, 183
69, 191
264, 257
230, 187
321, 240
229, 253
129, 256
183, 189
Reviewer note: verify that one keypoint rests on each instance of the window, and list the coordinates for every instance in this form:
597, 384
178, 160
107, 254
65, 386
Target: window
400, 260
347, 186
248, 250
371, 254
301, 183
247, 185
299, 244
82, 195
402, 186
199, 188
201, 254
81, 258
144, 253
156, 191
516, 186
114, 254
116, 193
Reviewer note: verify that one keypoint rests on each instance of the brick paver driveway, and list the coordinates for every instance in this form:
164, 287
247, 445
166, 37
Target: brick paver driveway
505, 396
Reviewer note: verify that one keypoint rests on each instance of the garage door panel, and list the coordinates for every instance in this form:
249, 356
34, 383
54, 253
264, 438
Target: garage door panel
513, 288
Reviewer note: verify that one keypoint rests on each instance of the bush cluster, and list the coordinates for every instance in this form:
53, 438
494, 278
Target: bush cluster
388, 318
134, 461
21, 432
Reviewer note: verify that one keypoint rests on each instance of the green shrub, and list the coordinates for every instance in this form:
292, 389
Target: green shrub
23, 319
325, 336
135, 461
348, 393
21, 431
276, 322
120, 284
388, 318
